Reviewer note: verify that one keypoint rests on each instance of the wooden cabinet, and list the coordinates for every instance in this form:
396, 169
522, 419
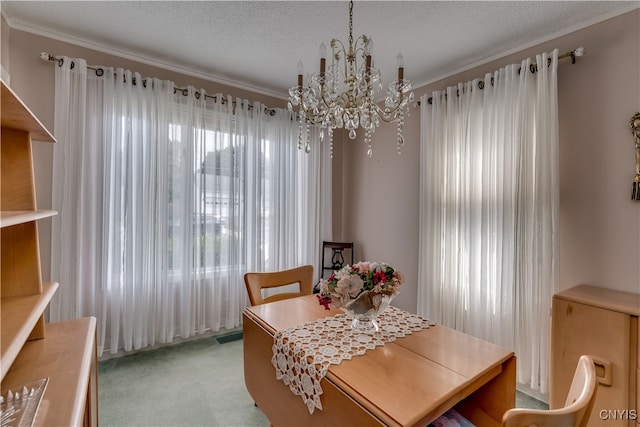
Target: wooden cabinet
64, 352
604, 324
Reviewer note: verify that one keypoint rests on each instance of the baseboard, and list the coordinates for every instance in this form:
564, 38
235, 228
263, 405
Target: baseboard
533, 393
226, 335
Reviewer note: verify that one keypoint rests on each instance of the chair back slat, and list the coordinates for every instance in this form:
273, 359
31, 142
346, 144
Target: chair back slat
257, 282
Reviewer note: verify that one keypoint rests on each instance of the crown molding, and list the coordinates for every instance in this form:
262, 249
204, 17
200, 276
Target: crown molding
632, 6
32, 29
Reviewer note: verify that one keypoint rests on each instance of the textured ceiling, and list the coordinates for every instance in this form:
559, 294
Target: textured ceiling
257, 44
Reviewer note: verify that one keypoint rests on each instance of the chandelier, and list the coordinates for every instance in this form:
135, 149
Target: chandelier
342, 94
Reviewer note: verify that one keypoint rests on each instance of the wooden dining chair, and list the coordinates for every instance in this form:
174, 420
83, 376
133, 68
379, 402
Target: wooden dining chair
257, 282
339, 251
578, 405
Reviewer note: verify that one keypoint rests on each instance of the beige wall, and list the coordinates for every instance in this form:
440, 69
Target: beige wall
376, 199
599, 224
4, 43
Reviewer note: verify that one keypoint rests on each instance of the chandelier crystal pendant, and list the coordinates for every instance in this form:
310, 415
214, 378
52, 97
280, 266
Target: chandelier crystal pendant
342, 94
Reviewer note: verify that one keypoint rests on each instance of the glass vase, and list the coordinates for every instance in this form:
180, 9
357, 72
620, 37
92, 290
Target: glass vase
364, 310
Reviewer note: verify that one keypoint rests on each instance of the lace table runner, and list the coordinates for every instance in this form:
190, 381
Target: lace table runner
302, 355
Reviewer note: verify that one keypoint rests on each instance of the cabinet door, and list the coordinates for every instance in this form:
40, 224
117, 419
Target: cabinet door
582, 329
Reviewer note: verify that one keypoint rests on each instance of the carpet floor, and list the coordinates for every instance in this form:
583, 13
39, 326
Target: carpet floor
197, 383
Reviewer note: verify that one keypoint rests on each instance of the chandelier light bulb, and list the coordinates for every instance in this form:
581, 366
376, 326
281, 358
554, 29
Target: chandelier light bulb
368, 47
342, 94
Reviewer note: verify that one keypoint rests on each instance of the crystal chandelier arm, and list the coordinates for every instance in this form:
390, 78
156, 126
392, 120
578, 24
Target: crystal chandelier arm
338, 51
389, 114
362, 47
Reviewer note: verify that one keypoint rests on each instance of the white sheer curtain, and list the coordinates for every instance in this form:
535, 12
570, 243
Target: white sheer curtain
489, 210
166, 198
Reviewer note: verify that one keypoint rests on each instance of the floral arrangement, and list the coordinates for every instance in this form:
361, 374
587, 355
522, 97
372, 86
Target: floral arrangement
359, 284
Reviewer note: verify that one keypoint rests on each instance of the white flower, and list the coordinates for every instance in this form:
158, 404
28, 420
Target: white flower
351, 284
343, 272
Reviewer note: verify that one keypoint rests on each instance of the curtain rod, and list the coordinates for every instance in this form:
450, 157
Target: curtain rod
534, 67
100, 71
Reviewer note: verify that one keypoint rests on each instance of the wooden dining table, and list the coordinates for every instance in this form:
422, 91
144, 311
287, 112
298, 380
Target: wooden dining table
407, 382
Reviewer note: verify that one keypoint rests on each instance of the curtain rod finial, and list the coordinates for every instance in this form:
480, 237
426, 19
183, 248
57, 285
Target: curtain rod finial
579, 51
45, 56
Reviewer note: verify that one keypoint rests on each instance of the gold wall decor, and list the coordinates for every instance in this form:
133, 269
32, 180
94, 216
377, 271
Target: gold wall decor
635, 130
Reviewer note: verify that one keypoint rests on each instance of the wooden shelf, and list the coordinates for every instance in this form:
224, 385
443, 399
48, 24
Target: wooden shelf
9, 218
67, 357
30, 349
19, 317
16, 115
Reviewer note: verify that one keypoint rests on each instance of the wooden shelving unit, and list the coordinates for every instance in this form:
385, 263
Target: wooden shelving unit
64, 352
19, 316
7, 219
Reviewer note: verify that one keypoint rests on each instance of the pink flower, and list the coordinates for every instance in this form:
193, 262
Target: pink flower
379, 277
363, 267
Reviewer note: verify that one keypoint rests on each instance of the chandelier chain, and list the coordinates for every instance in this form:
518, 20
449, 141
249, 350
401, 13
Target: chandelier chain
350, 24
